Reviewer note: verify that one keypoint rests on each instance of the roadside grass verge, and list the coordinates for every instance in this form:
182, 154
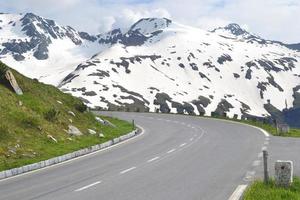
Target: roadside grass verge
260, 191
27, 121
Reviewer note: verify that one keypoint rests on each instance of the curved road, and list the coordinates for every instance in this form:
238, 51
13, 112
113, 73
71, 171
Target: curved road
177, 157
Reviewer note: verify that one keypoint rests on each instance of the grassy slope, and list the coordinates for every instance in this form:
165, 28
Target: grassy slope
24, 129
259, 191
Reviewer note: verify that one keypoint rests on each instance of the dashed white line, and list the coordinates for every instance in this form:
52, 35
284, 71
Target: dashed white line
171, 151
127, 170
183, 144
237, 194
266, 143
153, 159
88, 186
191, 139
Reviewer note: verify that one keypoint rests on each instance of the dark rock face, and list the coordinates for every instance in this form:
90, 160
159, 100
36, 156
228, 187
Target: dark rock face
87, 36
89, 93
262, 87
268, 65
161, 100
236, 75
204, 76
248, 74
224, 58
235, 29
223, 107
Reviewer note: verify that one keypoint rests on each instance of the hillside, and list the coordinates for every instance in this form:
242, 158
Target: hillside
30, 124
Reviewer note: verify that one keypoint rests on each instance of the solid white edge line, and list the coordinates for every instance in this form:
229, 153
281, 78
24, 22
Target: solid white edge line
88, 186
237, 194
127, 170
77, 158
153, 159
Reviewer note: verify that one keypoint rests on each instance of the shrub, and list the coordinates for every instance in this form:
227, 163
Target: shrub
4, 132
51, 115
30, 122
81, 107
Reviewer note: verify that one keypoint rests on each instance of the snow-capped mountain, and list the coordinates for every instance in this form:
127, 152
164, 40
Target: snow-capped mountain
40, 48
181, 69
157, 64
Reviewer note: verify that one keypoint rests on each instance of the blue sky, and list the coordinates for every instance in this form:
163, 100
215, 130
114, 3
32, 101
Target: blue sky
271, 19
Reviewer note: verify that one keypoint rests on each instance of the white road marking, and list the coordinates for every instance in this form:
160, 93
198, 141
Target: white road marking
153, 159
88, 186
182, 144
237, 194
256, 163
266, 143
191, 139
127, 170
172, 150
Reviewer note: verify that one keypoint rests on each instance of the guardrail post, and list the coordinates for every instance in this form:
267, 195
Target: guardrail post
266, 171
133, 125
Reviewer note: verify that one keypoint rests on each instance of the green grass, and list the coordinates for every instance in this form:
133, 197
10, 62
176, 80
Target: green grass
24, 128
260, 191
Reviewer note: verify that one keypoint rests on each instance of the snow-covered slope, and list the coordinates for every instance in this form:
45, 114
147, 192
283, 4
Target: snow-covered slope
40, 48
176, 68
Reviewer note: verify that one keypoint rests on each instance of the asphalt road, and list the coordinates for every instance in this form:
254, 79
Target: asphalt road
176, 158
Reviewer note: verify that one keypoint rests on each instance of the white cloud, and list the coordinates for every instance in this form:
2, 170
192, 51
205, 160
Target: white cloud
272, 19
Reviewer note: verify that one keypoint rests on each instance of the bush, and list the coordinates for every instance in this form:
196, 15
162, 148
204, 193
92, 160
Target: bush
30, 122
81, 107
51, 115
4, 132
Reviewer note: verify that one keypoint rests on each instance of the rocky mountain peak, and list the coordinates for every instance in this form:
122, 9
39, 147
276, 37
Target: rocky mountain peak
148, 26
235, 29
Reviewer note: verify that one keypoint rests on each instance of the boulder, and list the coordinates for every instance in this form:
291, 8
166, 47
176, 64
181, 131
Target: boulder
92, 132
74, 131
101, 135
51, 138
10, 77
72, 113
